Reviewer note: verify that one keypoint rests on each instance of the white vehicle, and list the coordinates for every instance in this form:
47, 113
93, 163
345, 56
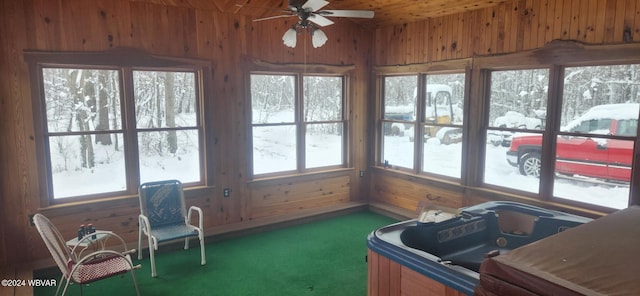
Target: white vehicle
513, 119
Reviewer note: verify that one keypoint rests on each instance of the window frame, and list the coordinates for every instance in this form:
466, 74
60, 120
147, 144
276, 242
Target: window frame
125, 61
461, 66
487, 125
580, 55
299, 72
422, 103
384, 121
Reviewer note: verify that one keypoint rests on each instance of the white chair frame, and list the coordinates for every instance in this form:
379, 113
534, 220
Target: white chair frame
63, 255
153, 241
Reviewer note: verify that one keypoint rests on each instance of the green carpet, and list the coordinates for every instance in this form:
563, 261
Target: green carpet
319, 258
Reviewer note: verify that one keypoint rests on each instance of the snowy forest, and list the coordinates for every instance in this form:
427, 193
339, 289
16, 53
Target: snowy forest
526, 91
86, 127
88, 110
274, 105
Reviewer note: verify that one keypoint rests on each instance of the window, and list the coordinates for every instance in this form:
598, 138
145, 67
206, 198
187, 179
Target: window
598, 126
167, 123
84, 131
400, 101
422, 123
556, 125
101, 138
592, 153
442, 124
297, 122
517, 106
323, 121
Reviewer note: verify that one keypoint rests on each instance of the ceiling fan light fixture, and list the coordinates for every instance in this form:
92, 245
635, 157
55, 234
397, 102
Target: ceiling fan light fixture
289, 37
318, 38
311, 15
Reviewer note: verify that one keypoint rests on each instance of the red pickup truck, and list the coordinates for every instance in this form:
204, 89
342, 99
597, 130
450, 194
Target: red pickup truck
586, 155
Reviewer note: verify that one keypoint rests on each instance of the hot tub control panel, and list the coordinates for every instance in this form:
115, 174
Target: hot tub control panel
488, 228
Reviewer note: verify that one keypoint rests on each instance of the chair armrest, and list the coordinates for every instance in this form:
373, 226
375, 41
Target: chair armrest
144, 224
99, 253
196, 209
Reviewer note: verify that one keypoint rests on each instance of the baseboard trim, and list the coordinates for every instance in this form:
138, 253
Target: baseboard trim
391, 211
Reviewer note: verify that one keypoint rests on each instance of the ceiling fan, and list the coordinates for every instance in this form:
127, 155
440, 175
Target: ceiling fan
311, 17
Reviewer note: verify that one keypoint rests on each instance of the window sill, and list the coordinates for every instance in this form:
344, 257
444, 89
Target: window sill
66, 208
90, 205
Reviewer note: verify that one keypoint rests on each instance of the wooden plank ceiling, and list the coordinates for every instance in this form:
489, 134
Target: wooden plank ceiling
387, 12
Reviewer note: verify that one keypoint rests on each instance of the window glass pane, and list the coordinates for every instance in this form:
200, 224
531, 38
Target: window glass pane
518, 100
398, 151
81, 166
520, 170
272, 98
322, 98
81, 100
165, 99
400, 97
444, 103
597, 100
444, 99
440, 158
324, 144
169, 155
593, 170
399, 103
274, 149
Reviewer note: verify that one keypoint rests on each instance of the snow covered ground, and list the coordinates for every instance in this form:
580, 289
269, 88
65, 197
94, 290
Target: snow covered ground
108, 175
274, 150
446, 160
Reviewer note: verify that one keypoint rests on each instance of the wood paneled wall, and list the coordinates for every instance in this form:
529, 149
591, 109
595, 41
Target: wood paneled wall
509, 27
224, 39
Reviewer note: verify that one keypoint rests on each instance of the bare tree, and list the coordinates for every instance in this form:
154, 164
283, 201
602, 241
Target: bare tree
102, 109
170, 116
84, 104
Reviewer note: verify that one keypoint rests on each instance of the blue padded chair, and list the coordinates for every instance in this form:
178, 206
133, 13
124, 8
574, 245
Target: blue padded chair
163, 217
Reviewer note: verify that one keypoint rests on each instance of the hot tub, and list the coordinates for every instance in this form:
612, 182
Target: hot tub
449, 251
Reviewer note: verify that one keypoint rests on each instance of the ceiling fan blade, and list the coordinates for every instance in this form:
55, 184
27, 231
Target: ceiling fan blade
320, 20
314, 5
273, 17
347, 13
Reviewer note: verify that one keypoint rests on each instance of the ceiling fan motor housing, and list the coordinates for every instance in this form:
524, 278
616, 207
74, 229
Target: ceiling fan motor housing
296, 4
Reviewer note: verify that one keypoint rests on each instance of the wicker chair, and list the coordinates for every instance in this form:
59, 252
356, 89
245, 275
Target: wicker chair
96, 265
163, 217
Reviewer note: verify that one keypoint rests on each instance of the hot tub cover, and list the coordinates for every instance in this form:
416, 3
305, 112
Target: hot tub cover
601, 257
